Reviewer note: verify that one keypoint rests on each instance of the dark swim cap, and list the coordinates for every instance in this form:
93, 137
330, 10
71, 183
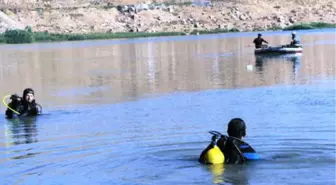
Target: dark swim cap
259, 34
236, 128
26, 91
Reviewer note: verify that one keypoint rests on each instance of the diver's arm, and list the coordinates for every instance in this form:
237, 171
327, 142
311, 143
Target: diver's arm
38, 108
32, 109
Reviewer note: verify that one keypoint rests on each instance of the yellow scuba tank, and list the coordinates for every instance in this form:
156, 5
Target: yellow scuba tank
214, 155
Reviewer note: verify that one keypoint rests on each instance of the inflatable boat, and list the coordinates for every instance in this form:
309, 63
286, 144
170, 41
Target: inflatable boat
278, 50
284, 56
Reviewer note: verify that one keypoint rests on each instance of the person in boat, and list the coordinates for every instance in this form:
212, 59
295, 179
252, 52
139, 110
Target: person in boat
295, 39
258, 41
234, 149
23, 106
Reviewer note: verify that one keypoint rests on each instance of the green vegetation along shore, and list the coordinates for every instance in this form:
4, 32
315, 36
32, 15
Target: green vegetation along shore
28, 36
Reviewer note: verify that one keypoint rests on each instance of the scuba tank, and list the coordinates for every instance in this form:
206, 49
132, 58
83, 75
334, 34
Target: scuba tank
214, 155
244, 149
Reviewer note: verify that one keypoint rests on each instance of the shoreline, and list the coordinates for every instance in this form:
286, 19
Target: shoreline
26, 36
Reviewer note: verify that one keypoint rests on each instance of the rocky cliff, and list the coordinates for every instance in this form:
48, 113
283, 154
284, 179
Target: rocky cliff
85, 16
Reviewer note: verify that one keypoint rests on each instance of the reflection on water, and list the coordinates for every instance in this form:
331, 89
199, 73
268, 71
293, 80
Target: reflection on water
113, 73
217, 171
293, 59
20, 131
239, 174
232, 174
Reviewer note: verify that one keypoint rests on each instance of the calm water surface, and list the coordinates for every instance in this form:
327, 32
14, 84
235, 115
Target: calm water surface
138, 111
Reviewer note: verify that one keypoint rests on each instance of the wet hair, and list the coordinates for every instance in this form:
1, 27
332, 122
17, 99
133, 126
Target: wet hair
237, 128
26, 91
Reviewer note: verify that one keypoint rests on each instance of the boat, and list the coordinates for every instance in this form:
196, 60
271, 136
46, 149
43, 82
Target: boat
284, 56
285, 49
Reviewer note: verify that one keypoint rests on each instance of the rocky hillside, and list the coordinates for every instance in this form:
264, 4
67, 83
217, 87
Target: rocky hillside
84, 16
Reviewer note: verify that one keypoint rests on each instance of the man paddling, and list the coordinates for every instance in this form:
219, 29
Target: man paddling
258, 41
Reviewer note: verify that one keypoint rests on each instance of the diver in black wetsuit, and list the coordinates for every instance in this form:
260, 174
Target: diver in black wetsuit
234, 149
231, 147
25, 105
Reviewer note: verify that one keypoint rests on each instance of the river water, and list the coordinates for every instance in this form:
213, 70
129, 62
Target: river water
138, 111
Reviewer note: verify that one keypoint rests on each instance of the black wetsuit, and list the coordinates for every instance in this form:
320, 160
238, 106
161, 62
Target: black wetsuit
258, 42
22, 107
231, 150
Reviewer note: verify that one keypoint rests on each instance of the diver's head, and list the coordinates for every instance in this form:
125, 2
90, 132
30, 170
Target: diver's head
259, 35
28, 95
237, 128
293, 34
